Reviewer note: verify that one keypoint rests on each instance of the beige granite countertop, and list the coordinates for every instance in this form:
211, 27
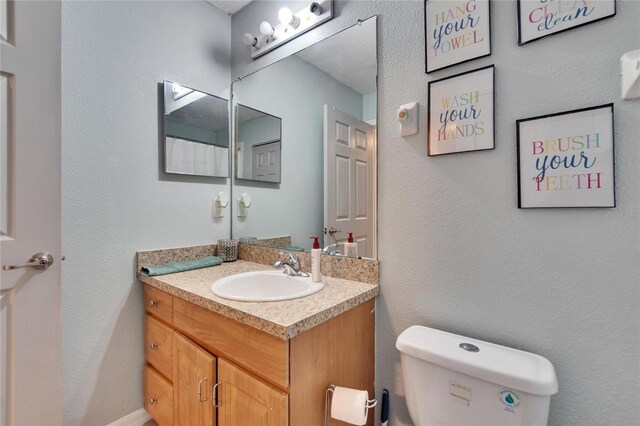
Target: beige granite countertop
283, 319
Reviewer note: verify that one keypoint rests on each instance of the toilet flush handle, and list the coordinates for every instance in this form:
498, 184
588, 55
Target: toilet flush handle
470, 347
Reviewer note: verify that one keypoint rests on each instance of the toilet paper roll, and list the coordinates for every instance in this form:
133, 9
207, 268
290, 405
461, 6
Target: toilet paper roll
349, 405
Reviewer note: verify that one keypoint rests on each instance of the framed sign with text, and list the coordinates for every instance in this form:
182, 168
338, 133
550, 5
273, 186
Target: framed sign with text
456, 31
567, 159
540, 18
461, 112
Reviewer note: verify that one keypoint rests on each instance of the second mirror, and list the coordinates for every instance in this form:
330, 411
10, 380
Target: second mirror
259, 139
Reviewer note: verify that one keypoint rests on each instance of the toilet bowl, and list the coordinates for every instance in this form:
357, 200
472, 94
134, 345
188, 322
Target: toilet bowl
456, 380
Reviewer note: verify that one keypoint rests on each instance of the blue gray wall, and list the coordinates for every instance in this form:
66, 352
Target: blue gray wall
369, 107
457, 254
115, 200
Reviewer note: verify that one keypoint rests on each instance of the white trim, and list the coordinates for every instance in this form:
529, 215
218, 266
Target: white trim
137, 418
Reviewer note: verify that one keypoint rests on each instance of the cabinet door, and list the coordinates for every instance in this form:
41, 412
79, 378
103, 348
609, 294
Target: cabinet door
245, 400
193, 380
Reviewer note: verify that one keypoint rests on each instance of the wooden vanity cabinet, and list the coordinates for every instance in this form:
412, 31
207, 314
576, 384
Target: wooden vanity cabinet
206, 369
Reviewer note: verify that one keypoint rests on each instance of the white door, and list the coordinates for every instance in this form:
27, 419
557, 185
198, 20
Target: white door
30, 212
266, 162
349, 180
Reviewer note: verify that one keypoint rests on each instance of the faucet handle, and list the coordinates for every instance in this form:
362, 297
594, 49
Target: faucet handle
292, 257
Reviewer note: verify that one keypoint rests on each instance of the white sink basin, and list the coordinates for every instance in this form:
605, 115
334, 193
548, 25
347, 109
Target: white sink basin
264, 286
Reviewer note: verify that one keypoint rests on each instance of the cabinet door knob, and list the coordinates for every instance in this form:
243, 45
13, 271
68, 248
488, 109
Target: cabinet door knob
153, 400
153, 303
153, 345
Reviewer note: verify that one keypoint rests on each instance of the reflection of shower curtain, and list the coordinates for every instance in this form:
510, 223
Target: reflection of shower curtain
222, 161
183, 155
196, 158
168, 154
200, 159
211, 160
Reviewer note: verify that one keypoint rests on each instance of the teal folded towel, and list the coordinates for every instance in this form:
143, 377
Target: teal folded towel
295, 248
175, 267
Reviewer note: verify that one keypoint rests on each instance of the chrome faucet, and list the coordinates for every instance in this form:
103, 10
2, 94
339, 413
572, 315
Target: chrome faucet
331, 250
292, 266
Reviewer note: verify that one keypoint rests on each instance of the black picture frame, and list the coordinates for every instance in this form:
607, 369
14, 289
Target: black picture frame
569, 112
426, 60
493, 118
519, 22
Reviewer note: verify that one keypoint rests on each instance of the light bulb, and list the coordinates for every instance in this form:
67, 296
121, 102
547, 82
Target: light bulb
267, 29
287, 17
250, 40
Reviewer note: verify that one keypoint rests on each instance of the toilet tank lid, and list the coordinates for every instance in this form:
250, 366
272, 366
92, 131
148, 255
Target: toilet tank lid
493, 363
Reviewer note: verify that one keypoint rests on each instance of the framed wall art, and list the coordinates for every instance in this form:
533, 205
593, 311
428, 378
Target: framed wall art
567, 159
540, 18
456, 31
461, 111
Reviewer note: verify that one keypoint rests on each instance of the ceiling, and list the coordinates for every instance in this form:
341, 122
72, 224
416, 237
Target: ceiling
208, 112
229, 6
349, 56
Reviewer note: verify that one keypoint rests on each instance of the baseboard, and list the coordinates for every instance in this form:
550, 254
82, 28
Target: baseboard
137, 418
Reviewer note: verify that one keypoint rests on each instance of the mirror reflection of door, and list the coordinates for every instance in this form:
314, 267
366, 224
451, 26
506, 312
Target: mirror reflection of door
266, 162
259, 145
349, 180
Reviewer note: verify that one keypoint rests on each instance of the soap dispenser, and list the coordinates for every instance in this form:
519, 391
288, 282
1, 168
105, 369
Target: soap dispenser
350, 247
316, 262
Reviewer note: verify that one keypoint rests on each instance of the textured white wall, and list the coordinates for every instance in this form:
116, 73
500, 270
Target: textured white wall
115, 200
457, 254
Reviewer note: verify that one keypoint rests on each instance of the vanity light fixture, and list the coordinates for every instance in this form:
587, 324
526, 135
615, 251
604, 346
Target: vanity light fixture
251, 40
179, 91
287, 17
291, 26
316, 9
268, 30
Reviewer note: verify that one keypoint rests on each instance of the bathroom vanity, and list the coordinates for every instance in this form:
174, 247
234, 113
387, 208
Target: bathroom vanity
216, 361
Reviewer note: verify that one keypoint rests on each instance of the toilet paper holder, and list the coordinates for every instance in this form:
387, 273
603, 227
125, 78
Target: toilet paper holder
370, 403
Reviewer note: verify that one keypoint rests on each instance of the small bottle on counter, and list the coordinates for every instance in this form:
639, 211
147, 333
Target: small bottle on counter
316, 262
350, 247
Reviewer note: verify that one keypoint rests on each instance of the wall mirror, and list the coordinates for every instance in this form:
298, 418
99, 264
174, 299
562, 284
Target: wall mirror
326, 98
258, 145
196, 132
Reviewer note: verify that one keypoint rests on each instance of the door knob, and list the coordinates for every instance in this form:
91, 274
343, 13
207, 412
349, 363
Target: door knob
39, 261
332, 230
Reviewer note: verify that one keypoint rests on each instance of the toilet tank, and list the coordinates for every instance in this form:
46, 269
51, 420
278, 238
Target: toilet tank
456, 380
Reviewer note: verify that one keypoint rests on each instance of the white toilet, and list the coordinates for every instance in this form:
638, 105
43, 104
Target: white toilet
455, 380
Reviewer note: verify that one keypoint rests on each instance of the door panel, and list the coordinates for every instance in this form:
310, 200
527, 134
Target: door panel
266, 162
349, 186
31, 217
245, 400
193, 380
